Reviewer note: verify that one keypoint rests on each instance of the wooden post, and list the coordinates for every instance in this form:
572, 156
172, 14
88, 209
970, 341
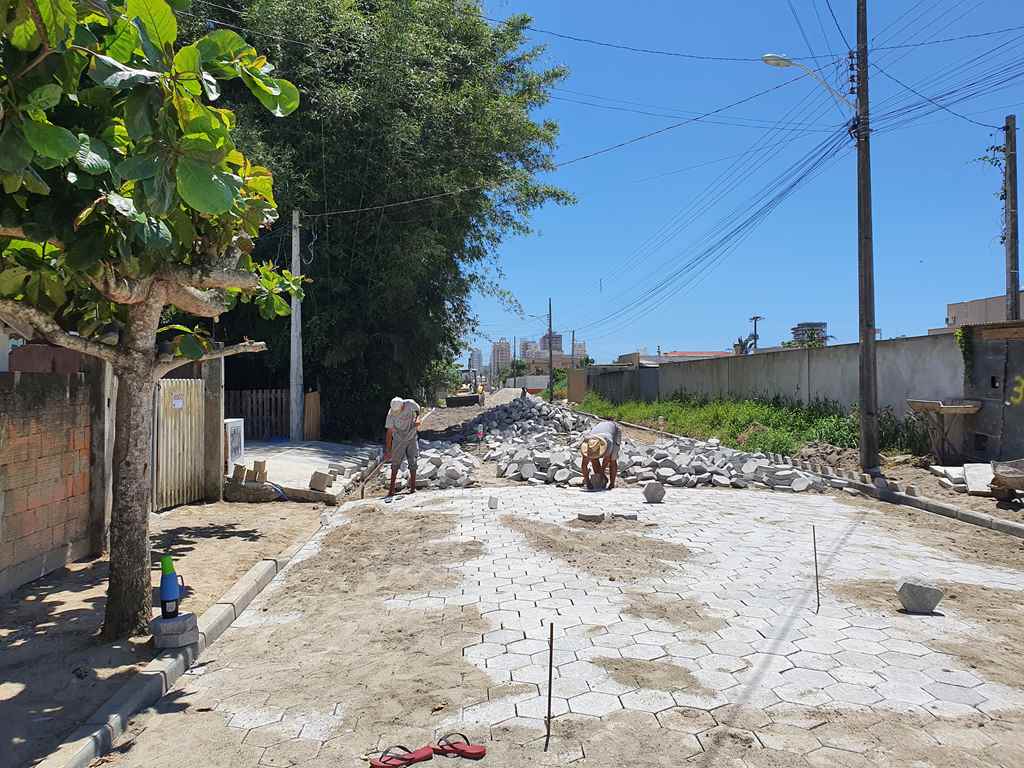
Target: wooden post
295, 379
213, 429
1012, 233
102, 397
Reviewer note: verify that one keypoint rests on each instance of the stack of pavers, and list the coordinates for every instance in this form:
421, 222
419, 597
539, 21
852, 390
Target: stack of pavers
538, 443
441, 465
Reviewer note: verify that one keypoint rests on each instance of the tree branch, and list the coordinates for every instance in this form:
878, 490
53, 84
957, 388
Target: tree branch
194, 301
167, 364
215, 278
46, 327
121, 290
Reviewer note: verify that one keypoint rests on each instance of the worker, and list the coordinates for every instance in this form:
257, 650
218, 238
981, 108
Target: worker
600, 449
401, 442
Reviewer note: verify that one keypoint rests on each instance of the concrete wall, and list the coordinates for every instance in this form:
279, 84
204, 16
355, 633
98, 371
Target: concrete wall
923, 367
45, 438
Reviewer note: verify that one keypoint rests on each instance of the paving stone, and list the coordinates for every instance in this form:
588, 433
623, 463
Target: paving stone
955, 694
647, 701
686, 720
818, 661
289, 753
788, 738
798, 693
741, 716
597, 704
725, 741
850, 693
538, 707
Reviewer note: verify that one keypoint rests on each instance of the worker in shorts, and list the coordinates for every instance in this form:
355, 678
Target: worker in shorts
401, 444
600, 449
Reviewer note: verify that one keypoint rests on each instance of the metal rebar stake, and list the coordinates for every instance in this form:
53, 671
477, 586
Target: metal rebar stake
551, 674
817, 589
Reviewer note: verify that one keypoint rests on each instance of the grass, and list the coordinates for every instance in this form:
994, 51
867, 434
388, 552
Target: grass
775, 425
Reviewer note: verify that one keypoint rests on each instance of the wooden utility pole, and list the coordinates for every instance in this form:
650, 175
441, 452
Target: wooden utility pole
295, 400
754, 337
551, 360
572, 350
1012, 233
865, 257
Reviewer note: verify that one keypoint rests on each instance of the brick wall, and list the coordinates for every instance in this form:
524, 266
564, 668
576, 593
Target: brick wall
44, 474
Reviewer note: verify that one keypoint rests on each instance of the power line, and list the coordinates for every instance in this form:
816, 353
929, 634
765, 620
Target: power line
974, 36
933, 101
836, 21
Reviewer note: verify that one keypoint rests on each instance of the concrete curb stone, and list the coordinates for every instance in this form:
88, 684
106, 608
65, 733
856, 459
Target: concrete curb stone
98, 734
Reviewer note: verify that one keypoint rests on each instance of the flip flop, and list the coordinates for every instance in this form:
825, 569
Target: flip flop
399, 756
447, 746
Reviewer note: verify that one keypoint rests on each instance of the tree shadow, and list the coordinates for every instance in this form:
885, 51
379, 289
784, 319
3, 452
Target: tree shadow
54, 671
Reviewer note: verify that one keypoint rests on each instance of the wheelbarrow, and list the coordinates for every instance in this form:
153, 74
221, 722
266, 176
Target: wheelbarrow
1007, 479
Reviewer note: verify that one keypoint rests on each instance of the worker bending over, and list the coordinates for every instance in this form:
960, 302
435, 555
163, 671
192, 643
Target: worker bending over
401, 443
600, 449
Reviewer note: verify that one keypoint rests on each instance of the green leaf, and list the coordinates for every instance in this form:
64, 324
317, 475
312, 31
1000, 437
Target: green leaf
33, 182
221, 47
50, 140
12, 281
110, 73
211, 86
15, 152
154, 234
84, 214
138, 113
280, 97
52, 287
92, 156
45, 97
158, 19
122, 42
154, 56
281, 307
138, 167
187, 68
174, 327
123, 205
23, 33
189, 347
203, 187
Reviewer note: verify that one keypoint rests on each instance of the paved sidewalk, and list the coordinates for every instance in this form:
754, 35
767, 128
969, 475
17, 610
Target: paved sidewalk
690, 635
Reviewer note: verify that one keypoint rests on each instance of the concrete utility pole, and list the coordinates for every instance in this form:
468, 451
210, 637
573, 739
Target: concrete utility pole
1012, 233
869, 440
551, 360
572, 350
754, 337
295, 400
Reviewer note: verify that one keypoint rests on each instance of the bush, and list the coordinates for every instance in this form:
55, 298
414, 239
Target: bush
764, 425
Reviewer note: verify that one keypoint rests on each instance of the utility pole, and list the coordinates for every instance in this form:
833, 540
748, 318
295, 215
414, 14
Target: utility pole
869, 461
754, 335
551, 360
514, 376
295, 400
1011, 234
572, 350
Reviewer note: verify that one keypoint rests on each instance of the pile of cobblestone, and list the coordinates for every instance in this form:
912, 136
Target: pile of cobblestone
441, 465
526, 416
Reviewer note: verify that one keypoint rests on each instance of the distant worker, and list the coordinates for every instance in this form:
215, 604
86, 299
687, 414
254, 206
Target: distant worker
400, 444
600, 449
524, 393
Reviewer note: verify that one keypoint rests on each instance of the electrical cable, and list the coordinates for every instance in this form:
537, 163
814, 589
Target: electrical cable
933, 101
834, 19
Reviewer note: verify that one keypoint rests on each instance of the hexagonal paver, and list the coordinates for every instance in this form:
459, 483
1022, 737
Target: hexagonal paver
819, 661
489, 712
796, 714
841, 736
645, 700
955, 694
686, 720
862, 646
642, 652
721, 663
741, 716
953, 677
730, 647
508, 661
613, 641
596, 704
483, 651
687, 650
907, 647
654, 638
627, 628
253, 718
788, 738
275, 733
818, 645
856, 676
910, 694
289, 753
567, 687
798, 693
534, 673
811, 678
538, 707
767, 662
527, 647
723, 740
582, 669
853, 694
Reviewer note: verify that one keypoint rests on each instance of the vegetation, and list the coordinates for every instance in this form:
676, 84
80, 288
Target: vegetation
561, 385
405, 100
585, 362
124, 195
763, 425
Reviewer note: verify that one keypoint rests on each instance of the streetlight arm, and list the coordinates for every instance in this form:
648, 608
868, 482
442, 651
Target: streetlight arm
839, 97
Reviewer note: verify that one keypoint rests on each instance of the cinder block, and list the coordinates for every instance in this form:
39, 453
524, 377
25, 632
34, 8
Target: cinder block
179, 640
183, 622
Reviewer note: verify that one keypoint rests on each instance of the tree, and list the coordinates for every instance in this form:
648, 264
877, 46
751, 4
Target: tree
405, 100
814, 339
585, 362
124, 202
517, 369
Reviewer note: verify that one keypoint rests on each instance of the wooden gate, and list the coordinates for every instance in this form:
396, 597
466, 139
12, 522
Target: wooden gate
178, 445
311, 416
265, 411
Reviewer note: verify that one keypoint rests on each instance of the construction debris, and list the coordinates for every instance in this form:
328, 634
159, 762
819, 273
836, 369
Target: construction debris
535, 442
918, 597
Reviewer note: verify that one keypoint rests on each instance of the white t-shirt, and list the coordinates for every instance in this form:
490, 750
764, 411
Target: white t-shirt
404, 422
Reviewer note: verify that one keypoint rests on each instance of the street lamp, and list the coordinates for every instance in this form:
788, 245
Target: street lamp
869, 459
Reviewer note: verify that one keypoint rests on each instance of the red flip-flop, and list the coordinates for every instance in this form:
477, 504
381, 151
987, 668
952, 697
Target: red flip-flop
447, 746
399, 756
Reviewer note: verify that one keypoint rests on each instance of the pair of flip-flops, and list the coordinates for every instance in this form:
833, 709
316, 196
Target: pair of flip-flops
451, 745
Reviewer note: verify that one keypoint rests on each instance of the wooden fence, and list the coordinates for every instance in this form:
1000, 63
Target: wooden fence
267, 413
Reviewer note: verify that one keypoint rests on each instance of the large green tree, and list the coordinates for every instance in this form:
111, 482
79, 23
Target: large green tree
403, 100
124, 198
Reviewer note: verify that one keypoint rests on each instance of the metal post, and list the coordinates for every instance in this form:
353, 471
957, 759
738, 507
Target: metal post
1012, 235
295, 400
551, 675
551, 360
817, 587
865, 257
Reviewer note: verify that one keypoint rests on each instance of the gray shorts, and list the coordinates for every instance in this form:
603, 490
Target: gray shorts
405, 452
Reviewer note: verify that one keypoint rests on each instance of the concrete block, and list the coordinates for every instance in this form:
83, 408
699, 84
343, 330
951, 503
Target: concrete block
176, 640
320, 481
918, 597
800, 484
624, 516
654, 492
492, 502
978, 477
183, 622
591, 517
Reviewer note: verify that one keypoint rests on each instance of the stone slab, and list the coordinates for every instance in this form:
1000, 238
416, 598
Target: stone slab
977, 477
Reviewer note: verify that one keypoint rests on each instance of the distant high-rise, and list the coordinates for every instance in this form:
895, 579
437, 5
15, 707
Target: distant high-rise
806, 333
527, 349
555, 341
579, 350
476, 359
501, 355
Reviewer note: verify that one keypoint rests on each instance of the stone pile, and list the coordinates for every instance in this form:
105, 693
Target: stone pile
526, 416
441, 465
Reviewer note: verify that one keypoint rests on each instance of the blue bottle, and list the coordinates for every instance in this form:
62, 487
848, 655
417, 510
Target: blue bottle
171, 585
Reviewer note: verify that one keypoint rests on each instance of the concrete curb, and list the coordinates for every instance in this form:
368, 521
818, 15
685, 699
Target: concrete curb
889, 492
97, 735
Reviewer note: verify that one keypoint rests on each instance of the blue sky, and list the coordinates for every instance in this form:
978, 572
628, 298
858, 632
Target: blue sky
937, 221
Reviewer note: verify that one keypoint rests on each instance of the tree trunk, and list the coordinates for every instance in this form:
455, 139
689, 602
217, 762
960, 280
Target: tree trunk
129, 593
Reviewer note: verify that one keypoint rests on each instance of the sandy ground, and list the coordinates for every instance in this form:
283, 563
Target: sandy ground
54, 673
428, 615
